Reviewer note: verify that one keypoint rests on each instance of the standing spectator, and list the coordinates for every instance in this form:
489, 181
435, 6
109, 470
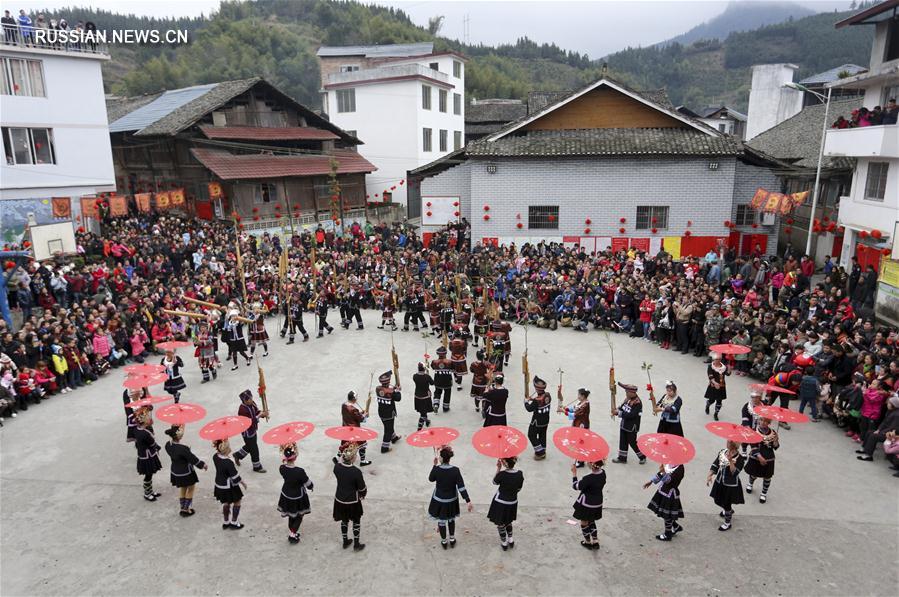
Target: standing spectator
9, 28
26, 30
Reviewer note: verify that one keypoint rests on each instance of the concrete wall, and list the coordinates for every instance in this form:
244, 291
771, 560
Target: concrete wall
747, 179
451, 183
770, 103
857, 213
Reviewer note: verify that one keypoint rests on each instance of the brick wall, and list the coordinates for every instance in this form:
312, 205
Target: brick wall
747, 179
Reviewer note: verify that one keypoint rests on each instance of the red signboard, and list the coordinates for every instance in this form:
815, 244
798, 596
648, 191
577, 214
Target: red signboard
619, 243
641, 244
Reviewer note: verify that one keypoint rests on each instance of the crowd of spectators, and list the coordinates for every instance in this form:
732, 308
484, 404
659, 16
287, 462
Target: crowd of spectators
20, 30
864, 117
810, 332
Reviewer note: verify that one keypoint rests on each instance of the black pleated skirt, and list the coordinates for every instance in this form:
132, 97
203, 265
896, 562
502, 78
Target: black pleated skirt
148, 466
584, 513
726, 496
185, 480
347, 511
672, 428
228, 496
666, 507
500, 514
443, 510
294, 506
756, 469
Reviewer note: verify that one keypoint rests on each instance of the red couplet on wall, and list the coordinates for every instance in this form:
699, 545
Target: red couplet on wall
619, 243
490, 241
426, 238
641, 244
204, 210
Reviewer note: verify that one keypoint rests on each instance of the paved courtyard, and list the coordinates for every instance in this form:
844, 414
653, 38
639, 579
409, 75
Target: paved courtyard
74, 521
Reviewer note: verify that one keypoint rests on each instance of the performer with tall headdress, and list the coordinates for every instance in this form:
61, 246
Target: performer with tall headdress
443, 380
726, 490
717, 390
147, 451
504, 507
183, 475
227, 484
748, 416
629, 412
294, 501
499, 340
480, 375
250, 447
540, 405
174, 382
666, 501
423, 406
448, 486
258, 335
206, 356
761, 458
351, 490
588, 505
352, 416
388, 396
234, 336
458, 348
669, 409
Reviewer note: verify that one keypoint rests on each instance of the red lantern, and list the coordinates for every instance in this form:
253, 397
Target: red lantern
337, 222
81, 230
886, 252
551, 218
689, 222
586, 231
277, 206
622, 220
237, 217
369, 197
240, 226
26, 244
455, 204
727, 223
517, 216
831, 227
402, 181
876, 233
393, 188
688, 233
486, 208
377, 195
486, 217
863, 234
621, 230
519, 225
455, 213
587, 222
790, 221
655, 230
255, 209
428, 204
429, 214
255, 218
826, 218
755, 225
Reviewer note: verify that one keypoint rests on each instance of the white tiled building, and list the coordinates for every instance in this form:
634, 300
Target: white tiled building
870, 212
54, 128
406, 102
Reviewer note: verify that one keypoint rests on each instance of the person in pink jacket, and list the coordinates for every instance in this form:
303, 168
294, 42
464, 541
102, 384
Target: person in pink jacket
139, 341
872, 405
101, 343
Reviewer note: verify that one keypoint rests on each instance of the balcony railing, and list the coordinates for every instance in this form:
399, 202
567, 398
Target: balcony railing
388, 72
865, 141
59, 40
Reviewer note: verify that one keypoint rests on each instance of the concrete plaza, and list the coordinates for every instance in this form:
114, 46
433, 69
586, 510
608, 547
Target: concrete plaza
74, 521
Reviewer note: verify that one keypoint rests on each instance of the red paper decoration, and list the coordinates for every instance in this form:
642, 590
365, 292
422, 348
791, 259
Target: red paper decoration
551, 218
886, 252
622, 230
81, 230
428, 204
377, 195
402, 181
727, 223
486, 208
788, 230
826, 218
455, 204
586, 231
486, 217
277, 206
455, 213
517, 216
755, 225
863, 234
876, 233
255, 218
429, 214
622, 220
790, 221
588, 221
237, 217
255, 209
519, 225
655, 220
655, 230
689, 222
337, 222
688, 233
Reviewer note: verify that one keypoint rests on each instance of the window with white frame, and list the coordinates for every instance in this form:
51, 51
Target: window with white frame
24, 146
745, 216
457, 69
265, 193
457, 140
426, 139
652, 216
441, 100
543, 217
444, 135
425, 97
457, 104
23, 77
876, 182
346, 100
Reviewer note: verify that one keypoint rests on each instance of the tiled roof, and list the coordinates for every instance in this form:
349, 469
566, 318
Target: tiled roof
385, 51
798, 139
482, 128
582, 142
117, 107
495, 111
228, 166
260, 133
829, 76
537, 100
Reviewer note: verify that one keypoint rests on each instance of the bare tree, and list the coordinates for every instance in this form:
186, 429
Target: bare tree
435, 24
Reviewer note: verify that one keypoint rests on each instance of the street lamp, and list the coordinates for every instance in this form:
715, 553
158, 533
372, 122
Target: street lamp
826, 102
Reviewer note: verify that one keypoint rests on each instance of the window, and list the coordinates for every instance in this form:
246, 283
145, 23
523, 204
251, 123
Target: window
876, 184
443, 139
722, 127
457, 69
23, 77
457, 140
745, 216
457, 103
891, 46
426, 139
349, 68
425, 97
889, 92
265, 193
435, 66
28, 146
352, 147
441, 100
346, 100
652, 216
543, 217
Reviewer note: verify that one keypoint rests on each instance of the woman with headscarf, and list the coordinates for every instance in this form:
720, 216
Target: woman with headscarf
147, 451
504, 507
351, 490
724, 477
227, 484
716, 391
668, 409
294, 501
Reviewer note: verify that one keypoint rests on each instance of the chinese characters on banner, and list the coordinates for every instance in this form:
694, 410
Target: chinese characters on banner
62, 207
215, 190
118, 206
163, 200
89, 207
776, 203
176, 197
143, 202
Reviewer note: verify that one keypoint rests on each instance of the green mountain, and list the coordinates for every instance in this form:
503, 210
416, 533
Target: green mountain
277, 39
742, 16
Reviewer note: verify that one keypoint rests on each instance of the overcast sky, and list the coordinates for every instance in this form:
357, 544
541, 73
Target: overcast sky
595, 27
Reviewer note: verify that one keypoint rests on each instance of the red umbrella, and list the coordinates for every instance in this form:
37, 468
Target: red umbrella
225, 427
784, 415
144, 369
580, 444
729, 349
147, 401
351, 434
432, 437
666, 448
173, 345
766, 387
136, 382
734, 432
181, 413
288, 433
499, 441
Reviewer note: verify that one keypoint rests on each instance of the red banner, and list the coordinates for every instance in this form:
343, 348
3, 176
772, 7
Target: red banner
118, 206
89, 207
619, 243
177, 197
641, 244
163, 200
215, 190
62, 207
143, 202
758, 200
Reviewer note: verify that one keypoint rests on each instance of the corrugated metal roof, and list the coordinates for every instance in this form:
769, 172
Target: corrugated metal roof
385, 51
163, 105
829, 76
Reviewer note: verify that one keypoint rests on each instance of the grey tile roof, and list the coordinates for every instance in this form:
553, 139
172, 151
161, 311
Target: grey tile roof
482, 128
537, 100
501, 111
586, 142
829, 76
385, 51
798, 139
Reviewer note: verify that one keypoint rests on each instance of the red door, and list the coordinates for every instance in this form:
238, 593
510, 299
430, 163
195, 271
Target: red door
733, 240
204, 209
751, 240
868, 256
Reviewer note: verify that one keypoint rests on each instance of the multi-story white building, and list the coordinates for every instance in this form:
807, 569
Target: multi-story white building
406, 102
54, 128
870, 213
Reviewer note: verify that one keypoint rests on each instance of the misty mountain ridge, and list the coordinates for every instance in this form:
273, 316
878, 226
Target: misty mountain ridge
741, 16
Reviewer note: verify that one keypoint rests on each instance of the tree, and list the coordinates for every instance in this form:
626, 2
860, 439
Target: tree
435, 24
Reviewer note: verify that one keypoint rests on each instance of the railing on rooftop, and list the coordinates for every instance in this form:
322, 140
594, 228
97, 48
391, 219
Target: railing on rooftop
59, 40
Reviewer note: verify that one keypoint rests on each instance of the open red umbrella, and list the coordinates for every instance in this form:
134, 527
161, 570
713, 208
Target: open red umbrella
351, 434
181, 413
499, 441
225, 427
666, 448
729, 349
288, 433
766, 387
144, 369
136, 382
173, 345
432, 437
777, 413
734, 432
147, 401
580, 444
